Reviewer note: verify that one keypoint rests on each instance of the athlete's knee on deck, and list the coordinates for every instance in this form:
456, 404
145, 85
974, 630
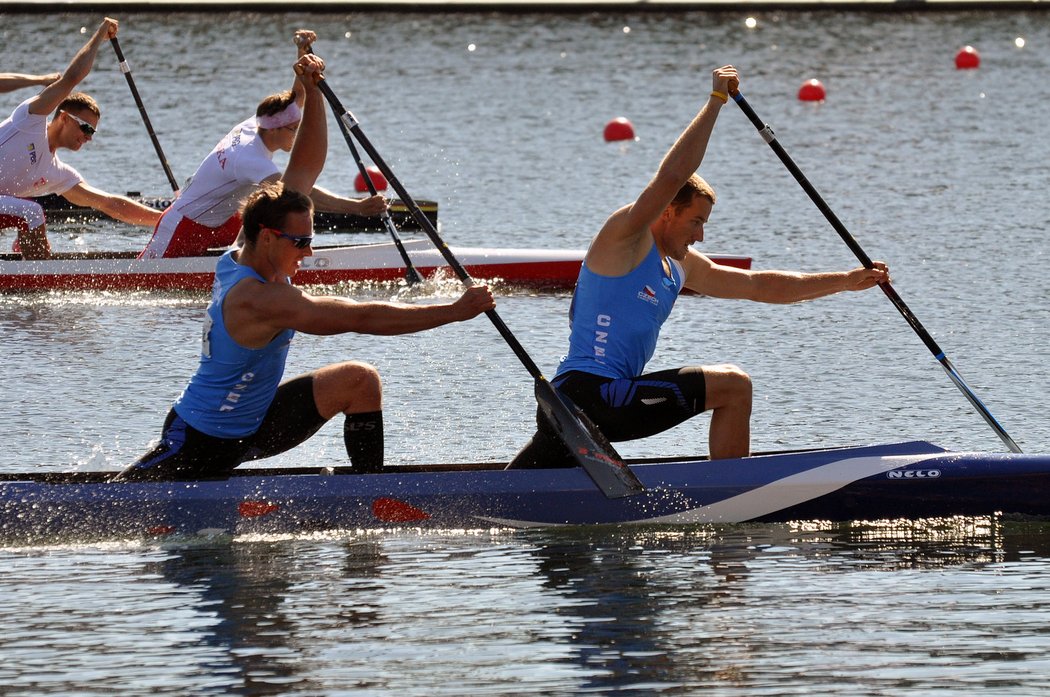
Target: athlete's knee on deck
727, 384
27, 218
363, 378
353, 386
22, 214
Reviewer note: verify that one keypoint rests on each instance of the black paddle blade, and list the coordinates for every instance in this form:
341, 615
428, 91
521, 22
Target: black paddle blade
587, 444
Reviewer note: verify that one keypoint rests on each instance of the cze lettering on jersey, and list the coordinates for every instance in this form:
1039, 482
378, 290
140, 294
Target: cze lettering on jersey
601, 338
234, 395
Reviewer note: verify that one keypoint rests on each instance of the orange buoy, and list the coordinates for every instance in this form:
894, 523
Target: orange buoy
619, 129
967, 58
378, 180
811, 91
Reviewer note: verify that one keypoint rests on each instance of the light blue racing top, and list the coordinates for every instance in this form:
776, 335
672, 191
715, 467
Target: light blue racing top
616, 320
233, 387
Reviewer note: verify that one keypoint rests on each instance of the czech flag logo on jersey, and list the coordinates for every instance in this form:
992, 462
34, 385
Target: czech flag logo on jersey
648, 295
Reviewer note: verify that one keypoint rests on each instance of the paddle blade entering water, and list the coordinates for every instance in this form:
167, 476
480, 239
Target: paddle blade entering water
588, 446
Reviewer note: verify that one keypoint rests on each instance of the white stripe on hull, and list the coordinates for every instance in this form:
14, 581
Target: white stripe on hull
792, 490
769, 498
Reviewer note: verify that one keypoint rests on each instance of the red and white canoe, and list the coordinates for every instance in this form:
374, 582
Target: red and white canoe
548, 269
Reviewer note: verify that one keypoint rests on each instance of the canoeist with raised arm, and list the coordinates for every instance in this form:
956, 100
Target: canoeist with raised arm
205, 215
633, 272
235, 407
29, 164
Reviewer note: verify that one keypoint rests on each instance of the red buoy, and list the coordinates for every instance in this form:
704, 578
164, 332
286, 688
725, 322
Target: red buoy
378, 180
811, 91
967, 58
619, 129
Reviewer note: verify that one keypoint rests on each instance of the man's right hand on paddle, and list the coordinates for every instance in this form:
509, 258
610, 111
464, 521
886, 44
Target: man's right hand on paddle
864, 278
372, 206
309, 69
474, 301
725, 79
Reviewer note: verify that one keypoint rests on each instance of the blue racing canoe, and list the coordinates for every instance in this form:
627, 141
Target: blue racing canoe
901, 480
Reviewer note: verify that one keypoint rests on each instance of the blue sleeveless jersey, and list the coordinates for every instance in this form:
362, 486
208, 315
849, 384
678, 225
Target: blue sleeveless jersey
233, 386
616, 320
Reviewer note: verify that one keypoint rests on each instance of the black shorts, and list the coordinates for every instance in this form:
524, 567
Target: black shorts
630, 408
622, 408
186, 453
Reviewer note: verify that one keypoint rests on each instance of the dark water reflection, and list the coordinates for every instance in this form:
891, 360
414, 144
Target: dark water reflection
620, 605
740, 610
251, 592
649, 609
243, 587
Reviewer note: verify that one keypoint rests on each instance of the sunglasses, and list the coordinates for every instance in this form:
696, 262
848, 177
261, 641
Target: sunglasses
300, 241
85, 127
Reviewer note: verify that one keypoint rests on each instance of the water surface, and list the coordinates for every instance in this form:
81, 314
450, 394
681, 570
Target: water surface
499, 118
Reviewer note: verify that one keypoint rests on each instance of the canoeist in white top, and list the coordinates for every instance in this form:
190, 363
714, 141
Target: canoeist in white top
236, 407
205, 214
29, 164
9, 82
635, 268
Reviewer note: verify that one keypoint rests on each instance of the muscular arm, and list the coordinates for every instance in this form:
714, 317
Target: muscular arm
120, 207
16, 81
325, 200
705, 277
331, 315
53, 95
310, 149
255, 312
624, 239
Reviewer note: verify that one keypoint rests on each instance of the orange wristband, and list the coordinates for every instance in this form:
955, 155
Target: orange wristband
720, 95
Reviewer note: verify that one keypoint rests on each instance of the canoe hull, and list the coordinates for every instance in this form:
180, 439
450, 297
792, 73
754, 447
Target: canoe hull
907, 480
545, 269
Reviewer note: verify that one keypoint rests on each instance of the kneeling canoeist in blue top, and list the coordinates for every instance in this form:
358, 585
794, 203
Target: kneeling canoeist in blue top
235, 407
631, 276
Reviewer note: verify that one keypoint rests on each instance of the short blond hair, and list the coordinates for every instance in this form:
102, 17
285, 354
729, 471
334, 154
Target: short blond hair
694, 186
80, 102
